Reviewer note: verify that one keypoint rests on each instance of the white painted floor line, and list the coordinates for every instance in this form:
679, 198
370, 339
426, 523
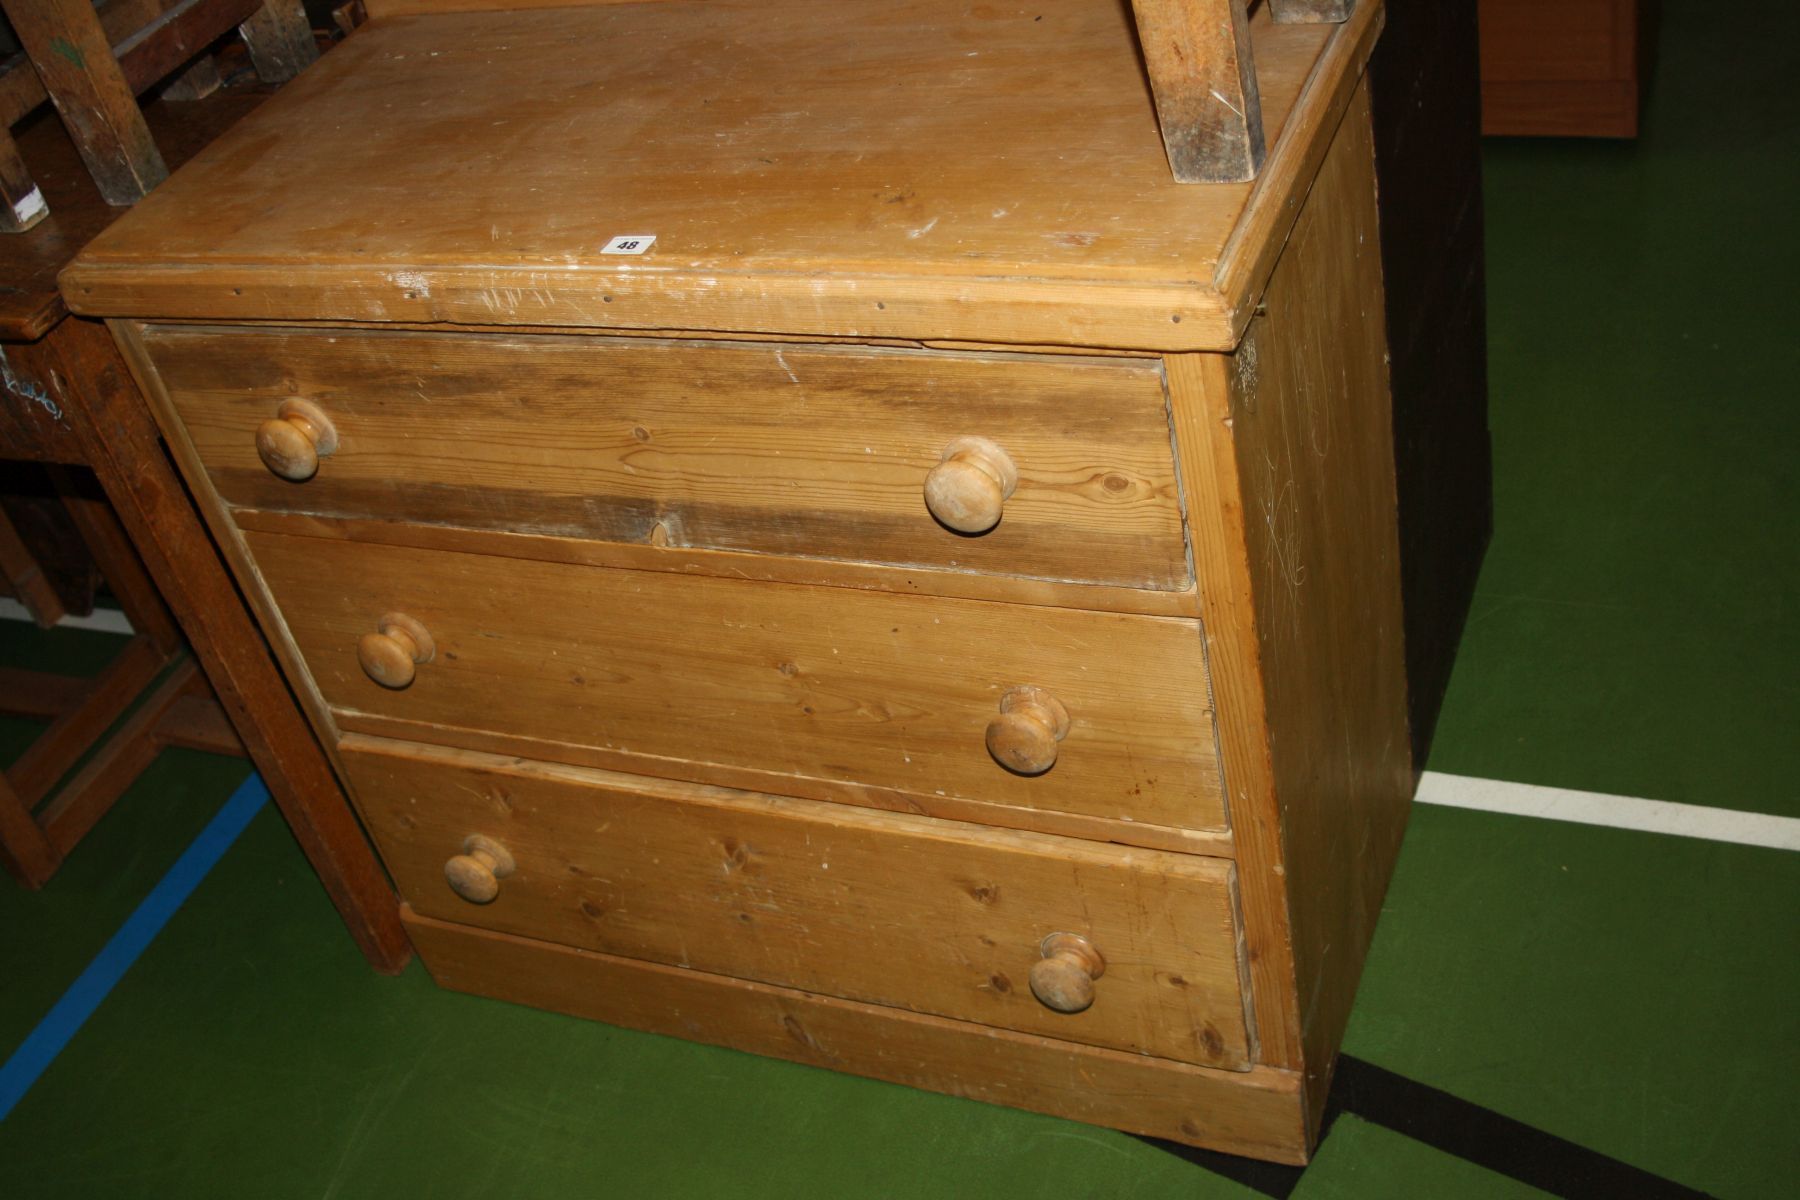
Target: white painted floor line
1617, 812
106, 620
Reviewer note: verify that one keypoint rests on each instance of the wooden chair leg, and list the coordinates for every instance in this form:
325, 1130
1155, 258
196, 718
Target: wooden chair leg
21, 203
75, 61
25, 576
1204, 79
197, 82
25, 852
280, 40
118, 561
125, 755
58, 748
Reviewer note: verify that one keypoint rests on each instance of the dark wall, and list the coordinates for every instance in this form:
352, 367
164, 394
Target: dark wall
1426, 84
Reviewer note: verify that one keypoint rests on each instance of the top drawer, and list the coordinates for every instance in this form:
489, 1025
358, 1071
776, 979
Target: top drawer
810, 451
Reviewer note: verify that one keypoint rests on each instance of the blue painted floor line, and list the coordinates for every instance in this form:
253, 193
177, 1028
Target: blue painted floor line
71, 1011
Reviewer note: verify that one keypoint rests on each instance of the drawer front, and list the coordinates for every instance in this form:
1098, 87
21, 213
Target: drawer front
871, 688
928, 915
816, 452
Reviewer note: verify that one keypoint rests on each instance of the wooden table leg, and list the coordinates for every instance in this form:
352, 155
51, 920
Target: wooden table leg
280, 40
25, 851
122, 444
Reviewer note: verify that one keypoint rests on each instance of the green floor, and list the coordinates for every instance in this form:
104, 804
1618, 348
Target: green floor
1635, 632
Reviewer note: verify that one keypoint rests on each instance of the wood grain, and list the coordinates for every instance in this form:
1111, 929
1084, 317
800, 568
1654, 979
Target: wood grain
1199, 58
1258, 240
1312, 435
1199, 391
930, 916
893, 691
785, 196
732, 564
812, 451
1254, 1113
1214, 842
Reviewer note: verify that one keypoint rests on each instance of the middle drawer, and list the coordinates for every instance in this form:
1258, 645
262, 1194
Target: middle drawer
651, 671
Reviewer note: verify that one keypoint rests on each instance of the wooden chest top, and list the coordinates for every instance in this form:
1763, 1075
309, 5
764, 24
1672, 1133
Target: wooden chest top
922, 169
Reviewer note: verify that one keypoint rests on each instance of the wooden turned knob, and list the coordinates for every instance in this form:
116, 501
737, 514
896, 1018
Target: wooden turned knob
475, 874
1064, 978
390, 655
1023, 737
970, 484
293, 441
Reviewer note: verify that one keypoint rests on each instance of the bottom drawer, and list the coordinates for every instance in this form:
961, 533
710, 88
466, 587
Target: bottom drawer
1259, 1113
913, 912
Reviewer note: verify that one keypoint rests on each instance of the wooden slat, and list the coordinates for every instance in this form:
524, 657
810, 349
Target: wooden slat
1311, 10
930, 916
67, 739
785, 449
149, 38
198, 82
198, 722
1203, 72
20, 88
893, 691
25, 852
280, 40
1254, 1113
21, 201
41, 695
148, 55
117, 559
126, 753
74, 59
731, 564
1214, 842
25, 577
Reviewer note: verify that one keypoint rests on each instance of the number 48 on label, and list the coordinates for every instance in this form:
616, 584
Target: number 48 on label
635, 243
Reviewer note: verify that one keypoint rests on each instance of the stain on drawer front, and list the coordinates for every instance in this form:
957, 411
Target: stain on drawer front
802, 451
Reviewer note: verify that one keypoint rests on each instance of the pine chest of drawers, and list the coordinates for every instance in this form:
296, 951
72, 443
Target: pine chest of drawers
798, 534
